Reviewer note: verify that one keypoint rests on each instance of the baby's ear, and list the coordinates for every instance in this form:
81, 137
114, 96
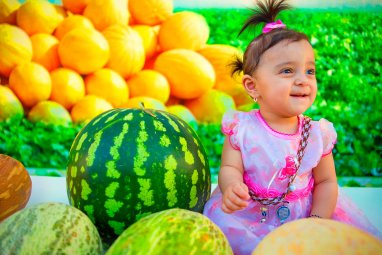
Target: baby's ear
249, 84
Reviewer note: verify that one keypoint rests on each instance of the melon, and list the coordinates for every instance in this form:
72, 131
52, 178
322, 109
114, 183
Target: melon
128, 163
211, 106
313, 236
184, 113
15, 48
45, 50
83, 50
49, 228
15, 186
188, 73
10, 105
127, 53
50, 112
221, 57
183, 30
106, 13
31, 83
8, 11
38, 16
150, 12
172, 231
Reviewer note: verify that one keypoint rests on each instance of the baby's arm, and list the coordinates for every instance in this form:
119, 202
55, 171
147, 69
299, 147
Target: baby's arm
326, 188
235, 192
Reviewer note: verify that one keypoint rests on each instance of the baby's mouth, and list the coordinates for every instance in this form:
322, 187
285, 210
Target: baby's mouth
299, 95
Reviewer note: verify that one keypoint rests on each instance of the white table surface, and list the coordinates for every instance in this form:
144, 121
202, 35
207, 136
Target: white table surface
53, 189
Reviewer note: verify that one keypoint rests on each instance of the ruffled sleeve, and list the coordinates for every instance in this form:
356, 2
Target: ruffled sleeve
329, 136
230, 125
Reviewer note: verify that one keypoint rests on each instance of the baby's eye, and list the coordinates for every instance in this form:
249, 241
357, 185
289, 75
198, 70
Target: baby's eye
287, 70
311, 71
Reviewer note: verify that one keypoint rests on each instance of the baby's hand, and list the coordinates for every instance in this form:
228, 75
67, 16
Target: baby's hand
235, 197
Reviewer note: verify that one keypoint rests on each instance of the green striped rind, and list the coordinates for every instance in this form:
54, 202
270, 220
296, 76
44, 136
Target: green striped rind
128, 163
173, 231
49, 228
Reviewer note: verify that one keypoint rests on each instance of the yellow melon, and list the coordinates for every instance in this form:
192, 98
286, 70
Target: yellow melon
89, 107
84, 50
150, 12
149, 39
31, 83
71, 22
50, 112
45, 50
317, 237
127, 55
10, 105
8, 11
189, 73
184, 113
38, 16
15, 48
149, 83
68, 87
221, 56
75, 6
109, 85
211, 106
145, 102
186, 30
106, 13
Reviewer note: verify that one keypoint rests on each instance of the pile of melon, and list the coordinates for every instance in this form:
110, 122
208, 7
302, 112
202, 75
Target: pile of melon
68, 63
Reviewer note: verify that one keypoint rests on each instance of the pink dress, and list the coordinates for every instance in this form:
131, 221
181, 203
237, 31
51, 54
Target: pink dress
268, 162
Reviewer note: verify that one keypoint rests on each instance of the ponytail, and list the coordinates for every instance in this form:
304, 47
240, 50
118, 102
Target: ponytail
236, 65
273, 32
265, 13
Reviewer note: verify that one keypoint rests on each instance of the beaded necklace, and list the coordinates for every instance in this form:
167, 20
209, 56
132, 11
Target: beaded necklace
283, 211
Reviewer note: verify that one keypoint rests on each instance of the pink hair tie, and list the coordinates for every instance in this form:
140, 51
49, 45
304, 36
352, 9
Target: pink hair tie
270, 26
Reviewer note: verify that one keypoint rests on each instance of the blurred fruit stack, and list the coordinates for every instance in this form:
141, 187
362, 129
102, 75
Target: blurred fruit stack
68, 63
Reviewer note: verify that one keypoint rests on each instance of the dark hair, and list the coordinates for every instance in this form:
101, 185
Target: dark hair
265, 13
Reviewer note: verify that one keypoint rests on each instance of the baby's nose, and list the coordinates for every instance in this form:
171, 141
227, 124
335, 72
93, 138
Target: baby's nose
301, 79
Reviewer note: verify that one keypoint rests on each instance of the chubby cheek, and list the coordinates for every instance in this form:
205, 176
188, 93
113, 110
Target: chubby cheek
314, 92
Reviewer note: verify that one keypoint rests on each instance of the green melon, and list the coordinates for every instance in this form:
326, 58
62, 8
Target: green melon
128, 163
172, 231
10, 105
49, 228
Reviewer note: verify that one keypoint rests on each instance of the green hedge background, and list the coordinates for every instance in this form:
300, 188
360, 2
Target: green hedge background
348, 54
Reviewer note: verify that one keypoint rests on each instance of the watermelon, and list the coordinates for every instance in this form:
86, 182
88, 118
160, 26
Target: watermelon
49, 228
129, 163
172, 231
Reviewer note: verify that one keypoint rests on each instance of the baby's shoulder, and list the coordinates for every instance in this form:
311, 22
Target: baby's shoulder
325, 133
235, 115
233, 119
323, 125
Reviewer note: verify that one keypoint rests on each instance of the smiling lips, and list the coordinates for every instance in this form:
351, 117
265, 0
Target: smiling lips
299, 95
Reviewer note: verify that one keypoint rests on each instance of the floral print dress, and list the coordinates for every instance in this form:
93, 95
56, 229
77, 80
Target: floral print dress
267, 157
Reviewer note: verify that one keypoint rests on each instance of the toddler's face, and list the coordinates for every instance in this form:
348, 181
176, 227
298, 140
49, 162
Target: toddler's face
285, 78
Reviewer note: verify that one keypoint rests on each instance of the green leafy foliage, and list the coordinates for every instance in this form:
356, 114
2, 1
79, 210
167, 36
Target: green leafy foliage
349, 62
36, 144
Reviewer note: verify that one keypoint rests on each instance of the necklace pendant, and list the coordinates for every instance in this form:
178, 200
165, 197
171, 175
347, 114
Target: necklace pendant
283, 213
263, 214
291, 188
